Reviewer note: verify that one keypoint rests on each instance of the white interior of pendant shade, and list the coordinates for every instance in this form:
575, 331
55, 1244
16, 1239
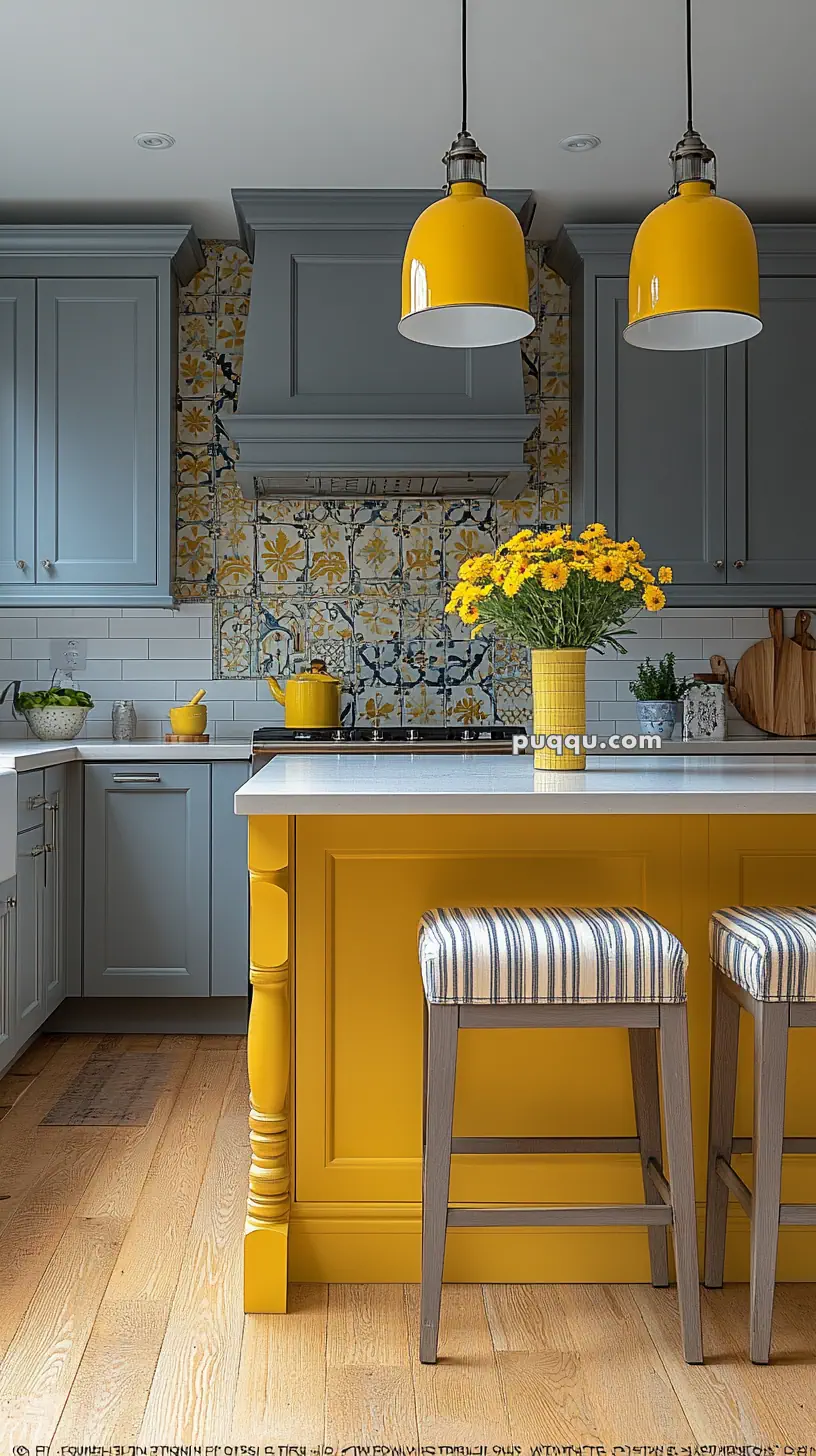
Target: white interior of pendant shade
467, 325
704, 329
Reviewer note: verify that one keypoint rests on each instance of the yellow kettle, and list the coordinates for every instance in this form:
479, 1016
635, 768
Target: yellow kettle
311, 699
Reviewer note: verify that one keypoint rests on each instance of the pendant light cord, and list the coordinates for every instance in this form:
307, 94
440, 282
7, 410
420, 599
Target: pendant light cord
689, 124
464, 65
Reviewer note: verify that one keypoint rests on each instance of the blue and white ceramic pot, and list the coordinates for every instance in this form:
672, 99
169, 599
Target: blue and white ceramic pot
659, 717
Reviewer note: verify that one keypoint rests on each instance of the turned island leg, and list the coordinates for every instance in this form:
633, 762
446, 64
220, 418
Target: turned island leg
266, 1233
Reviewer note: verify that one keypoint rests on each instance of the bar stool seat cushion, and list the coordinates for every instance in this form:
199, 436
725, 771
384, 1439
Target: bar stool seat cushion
502, 957
771, 953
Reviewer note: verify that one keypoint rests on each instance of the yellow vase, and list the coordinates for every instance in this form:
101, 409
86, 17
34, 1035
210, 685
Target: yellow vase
559, 703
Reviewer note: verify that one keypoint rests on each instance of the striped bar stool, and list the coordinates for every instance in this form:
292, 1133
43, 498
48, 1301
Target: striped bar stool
765, 961
558, 968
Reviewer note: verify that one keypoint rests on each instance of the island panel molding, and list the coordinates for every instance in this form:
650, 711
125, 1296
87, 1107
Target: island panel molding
357, 885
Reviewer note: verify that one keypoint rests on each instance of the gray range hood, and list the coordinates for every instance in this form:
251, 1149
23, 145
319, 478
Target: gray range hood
333, 401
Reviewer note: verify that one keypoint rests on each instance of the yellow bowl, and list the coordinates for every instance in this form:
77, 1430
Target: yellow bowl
188, 720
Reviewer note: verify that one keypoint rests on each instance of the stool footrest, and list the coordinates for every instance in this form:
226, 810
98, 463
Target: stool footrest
735, 1185
789, 1145
598, 1215
545, 1145
658, 1180
801, 1213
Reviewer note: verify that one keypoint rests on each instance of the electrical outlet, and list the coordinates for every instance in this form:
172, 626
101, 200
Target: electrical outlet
68, 655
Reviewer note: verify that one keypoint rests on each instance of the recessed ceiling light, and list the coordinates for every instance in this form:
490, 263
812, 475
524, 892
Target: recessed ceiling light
155, 141
583, 142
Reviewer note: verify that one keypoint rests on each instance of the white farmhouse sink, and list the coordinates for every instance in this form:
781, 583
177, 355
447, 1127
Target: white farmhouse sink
8, 823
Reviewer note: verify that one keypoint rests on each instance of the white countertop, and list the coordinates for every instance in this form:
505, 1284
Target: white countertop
506, 784
31, 754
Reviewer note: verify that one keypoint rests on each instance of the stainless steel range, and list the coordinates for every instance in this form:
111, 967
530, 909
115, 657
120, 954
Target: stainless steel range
269, 741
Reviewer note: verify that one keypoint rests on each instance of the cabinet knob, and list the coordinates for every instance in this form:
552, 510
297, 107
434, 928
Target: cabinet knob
21, 565
719, 565
11, 903
48, 565
739, 565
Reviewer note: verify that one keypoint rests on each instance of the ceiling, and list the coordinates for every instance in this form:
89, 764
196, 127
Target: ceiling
365, 93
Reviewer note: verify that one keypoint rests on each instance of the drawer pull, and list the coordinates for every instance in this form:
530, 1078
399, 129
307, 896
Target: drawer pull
36, 801
137, 778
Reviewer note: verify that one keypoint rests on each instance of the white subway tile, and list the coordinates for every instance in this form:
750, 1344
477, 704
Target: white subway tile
188, 647
63, 626
681, 628
170, 626
239, 690
169, 669
122, 648
5, 647
14, 625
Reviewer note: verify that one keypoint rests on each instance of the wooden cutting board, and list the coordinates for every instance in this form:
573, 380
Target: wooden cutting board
774, 683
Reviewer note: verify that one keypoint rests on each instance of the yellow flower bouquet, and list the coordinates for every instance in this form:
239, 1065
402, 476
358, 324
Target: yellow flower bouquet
545, 590
561, 598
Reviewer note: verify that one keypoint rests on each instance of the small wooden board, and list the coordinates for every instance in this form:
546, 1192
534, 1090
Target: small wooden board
774, 682
186, 737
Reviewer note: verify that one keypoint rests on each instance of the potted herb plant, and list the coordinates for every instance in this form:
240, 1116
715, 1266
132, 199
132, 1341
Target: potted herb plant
659, 694
561, 598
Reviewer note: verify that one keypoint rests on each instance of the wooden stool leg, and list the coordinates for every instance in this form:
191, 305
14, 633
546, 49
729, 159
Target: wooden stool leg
440, 1081
722, 1091
674, 1056
646, 1090
770, 1072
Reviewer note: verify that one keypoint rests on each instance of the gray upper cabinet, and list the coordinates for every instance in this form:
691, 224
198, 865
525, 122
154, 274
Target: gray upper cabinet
86, 412
705, 456
17, 426
147, 880
97, 447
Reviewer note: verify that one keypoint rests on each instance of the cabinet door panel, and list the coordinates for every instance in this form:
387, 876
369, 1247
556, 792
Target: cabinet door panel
8, 925
54, 946
17, 311
771, 471
97, 467
147, 880
660, 466
30, 988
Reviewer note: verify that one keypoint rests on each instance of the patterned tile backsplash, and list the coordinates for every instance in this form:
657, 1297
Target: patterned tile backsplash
360, 583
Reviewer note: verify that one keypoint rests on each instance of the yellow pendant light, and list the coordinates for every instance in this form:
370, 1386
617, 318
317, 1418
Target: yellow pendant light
693, 274
464, 274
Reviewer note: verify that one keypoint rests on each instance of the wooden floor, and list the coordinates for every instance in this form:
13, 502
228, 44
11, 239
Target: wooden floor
121, 1318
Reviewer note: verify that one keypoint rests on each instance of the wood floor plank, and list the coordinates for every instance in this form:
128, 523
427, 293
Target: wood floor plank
153, 1250
369, 1390
282, 1376
43, 1358
193, 1389
729, 1399
108, 1397
13, 1085
632, 1396
168, 1042
545, 1381
460, 1399
36, 1057
31, 1239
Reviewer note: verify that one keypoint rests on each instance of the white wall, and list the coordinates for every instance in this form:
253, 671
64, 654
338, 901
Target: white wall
159, 657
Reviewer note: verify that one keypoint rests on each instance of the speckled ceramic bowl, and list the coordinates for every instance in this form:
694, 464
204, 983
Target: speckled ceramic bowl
55, 723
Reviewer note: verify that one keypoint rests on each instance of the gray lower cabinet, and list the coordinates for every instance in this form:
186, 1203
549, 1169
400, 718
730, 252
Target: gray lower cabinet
147, 880
34, 933
705, 456
56, 898
8, 969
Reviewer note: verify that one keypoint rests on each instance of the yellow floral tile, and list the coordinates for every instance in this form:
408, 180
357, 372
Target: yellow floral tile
329, 564
196, 332
423, 704
553, 293
196, 374
378, 707
233, 566
377, 618
195, 552
194, 503
281, 556
331, 620
230, 333
191, 591
233, 639
422, 617
376, 552
464, 541
234, 270
421, 559
196, 421
555, 420
554, 367
512, 515
555, 503
203, 282
233, 507
554, 461
469, 706
194, 466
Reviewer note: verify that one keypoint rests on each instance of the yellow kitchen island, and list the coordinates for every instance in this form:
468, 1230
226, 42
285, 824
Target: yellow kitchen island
345, 853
